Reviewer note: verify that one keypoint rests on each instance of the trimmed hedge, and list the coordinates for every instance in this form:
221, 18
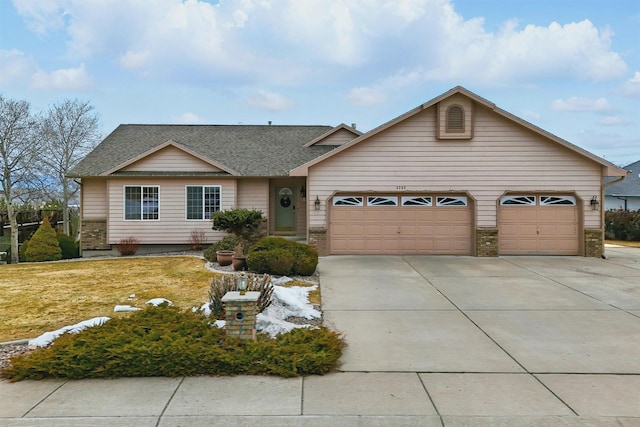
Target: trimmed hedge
227, 243
622, 225
282, 257
70, 248
164, 341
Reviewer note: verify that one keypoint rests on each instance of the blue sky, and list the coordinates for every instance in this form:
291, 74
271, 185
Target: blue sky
571, 67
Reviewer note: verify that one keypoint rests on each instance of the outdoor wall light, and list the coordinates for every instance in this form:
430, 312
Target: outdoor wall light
241, 283
595, 203
316, 204
303, 193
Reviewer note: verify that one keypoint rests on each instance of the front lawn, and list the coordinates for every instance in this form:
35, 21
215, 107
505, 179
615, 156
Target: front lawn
40, 297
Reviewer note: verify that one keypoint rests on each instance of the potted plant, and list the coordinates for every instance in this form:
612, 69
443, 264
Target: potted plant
224, 257
239, 259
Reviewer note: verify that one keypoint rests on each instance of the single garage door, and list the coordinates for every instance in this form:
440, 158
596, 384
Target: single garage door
538, 225
400, 224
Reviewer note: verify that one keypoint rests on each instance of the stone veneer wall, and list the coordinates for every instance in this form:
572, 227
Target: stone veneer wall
593, 243
318, 239
487, 242
94, 235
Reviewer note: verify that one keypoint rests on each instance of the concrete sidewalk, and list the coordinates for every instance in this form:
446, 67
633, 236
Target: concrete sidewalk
433, 341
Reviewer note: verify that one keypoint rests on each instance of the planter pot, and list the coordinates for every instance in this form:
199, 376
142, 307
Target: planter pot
239, 263
224, 257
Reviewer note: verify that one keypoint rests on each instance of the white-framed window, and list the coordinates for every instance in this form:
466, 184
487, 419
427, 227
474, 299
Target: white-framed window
557, 200
348, 201
417, 201
202, 201
382, 201
451, 201
141, 202
518, 200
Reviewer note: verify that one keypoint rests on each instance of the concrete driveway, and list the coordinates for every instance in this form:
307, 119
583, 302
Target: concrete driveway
506, 337
432, 341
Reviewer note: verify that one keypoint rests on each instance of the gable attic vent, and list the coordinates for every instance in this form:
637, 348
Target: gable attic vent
455, 119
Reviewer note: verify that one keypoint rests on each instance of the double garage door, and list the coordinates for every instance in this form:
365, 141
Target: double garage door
400, 224
443, 225
538, 225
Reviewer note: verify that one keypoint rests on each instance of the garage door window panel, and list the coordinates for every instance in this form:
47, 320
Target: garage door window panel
417, 201
382, 201
518, 201
557, 201
451, 201
348, 201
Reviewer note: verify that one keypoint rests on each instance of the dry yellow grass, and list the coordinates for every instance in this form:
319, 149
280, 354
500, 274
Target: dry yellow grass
40, 297
623, 243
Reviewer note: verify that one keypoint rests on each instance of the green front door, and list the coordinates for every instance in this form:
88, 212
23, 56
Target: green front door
285, 209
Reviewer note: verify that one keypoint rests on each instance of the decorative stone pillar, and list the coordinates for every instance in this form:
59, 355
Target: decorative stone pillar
240, 314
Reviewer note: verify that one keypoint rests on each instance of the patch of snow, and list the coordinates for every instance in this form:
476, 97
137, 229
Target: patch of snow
118, 308
220, 323
204, 309
286, 302
157, 301
48, 337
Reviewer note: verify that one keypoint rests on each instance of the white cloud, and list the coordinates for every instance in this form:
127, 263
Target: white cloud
189, 118
632, 86
62, 79
15, 66
134, 60
576, 103
364, 96
270, 101
284, 42
613, 121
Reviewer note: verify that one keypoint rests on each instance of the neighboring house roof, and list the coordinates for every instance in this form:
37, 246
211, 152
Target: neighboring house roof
611, 169
630, 186
239, 150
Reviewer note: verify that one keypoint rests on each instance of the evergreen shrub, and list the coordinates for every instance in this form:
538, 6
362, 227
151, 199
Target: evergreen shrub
164, 341
70, 248
43, 246
275, 255
622, 225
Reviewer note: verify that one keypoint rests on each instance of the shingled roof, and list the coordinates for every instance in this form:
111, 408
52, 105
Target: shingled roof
630, 186
248, 150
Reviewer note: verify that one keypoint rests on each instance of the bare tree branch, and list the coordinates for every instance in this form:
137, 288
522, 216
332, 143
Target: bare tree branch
18, 149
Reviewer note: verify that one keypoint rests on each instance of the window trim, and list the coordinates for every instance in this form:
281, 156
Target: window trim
202, 187
124, 202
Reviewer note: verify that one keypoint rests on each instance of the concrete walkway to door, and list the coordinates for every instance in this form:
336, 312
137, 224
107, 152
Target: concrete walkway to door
486, 341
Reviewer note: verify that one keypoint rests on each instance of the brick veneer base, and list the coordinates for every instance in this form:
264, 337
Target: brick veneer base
593, 243
318, 239
487, 242
94, 235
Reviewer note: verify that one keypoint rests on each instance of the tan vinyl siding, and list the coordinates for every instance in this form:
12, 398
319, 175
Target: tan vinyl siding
172, 227
95, 200
171, 159
502, 156
337, 138
254, 194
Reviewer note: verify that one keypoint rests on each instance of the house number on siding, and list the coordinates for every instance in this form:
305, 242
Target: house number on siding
401, 187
